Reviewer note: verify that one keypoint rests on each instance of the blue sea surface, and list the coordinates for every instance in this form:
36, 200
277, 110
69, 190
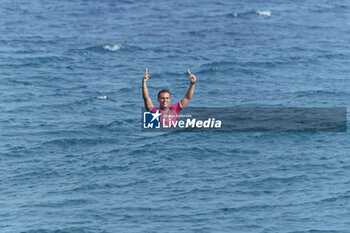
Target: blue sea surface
74, 159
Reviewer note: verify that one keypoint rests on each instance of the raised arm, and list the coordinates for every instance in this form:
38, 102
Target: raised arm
190, 90
145, 96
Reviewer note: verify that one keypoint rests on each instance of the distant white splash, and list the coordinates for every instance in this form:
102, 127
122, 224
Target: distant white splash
102, 97
235, 15
112, 48
264, 13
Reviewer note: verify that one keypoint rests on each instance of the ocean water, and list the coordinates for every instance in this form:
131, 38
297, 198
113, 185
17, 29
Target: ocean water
74, 159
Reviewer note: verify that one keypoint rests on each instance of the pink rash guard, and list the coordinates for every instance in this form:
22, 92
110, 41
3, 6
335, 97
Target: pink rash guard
169, 115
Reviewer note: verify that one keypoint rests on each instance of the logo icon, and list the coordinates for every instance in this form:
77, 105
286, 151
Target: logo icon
151, 120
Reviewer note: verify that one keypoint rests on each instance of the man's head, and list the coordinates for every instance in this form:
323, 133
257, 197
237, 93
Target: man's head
164, 98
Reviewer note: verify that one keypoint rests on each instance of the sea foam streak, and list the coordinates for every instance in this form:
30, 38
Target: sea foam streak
112, 48
102, 97
264, 13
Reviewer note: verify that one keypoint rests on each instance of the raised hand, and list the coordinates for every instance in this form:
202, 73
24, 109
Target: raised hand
145, 95
190, 90
192, 77
146, 75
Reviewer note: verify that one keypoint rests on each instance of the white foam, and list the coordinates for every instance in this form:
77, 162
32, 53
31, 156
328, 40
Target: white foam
264, 13
102, 97
235, 15
112, 48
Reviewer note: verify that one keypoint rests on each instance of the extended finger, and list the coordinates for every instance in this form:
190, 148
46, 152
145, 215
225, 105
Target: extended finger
146, 70
189, 72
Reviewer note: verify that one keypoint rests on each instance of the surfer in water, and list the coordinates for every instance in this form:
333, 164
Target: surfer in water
168, 114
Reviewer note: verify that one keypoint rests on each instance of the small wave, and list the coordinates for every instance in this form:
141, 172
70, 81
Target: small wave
264, 13
112, 47
67, 202
336, 198
249, 14
240, 14
308, 93
102, 97
97, 48
79, 141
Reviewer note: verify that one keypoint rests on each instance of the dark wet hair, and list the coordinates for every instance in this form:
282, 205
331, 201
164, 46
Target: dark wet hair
163, 91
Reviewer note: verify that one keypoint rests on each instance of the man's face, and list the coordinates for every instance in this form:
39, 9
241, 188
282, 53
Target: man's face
164, 100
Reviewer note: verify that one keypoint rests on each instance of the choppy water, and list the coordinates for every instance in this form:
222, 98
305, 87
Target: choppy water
73, 157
